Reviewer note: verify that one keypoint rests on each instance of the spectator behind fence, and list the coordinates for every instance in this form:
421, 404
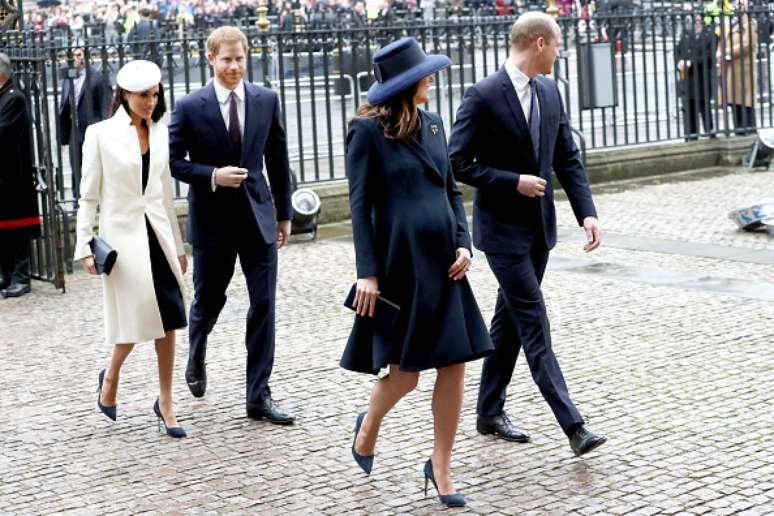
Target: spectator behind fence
19, 216
143, 35
695, 58
126, 175
738, 67
91, 96
411, 245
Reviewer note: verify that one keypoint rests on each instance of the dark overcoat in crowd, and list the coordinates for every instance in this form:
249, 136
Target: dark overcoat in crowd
699, 48
408, 221
93, 88
18, 199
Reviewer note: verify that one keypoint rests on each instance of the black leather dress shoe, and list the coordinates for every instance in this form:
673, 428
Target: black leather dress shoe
584, 440
196, 378
501, 427
16, 290
268, 410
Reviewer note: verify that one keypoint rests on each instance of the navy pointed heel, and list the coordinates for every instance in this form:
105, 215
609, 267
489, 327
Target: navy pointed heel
366, 462
109, 410
176, 431
452, 500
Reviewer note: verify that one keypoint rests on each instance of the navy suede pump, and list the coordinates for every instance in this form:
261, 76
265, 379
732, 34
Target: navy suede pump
176, 431
366, 462
452, 500
108, 410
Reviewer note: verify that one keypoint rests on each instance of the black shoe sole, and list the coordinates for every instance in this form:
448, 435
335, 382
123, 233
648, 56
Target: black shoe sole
282, 422
196, 389
488, 431
591, 448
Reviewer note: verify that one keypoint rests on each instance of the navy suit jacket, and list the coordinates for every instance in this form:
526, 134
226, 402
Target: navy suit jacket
490, 147
197, 129
100, 100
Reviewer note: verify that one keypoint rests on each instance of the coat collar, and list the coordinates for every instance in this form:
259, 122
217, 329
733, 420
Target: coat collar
421, 150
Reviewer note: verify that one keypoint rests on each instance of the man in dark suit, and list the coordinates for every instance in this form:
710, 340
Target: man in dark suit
695, 58
219, 137
511, 129
91, 94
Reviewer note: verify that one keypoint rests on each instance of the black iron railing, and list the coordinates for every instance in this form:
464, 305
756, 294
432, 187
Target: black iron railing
619, 76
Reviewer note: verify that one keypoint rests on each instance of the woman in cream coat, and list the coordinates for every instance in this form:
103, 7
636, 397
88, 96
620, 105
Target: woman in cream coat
126, 173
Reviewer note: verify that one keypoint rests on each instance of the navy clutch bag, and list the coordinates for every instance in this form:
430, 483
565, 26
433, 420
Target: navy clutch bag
104, 255
385, 313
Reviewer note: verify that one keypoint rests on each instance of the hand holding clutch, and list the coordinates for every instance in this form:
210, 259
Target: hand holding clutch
104, 255
385, 312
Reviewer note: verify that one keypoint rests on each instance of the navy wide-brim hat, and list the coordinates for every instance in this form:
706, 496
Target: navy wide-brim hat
400, 65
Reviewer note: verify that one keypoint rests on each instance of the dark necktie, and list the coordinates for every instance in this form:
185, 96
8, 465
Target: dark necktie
234, 135
534, 119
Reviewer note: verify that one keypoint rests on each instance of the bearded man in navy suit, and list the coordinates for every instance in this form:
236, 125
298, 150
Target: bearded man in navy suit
510, 131
219, 137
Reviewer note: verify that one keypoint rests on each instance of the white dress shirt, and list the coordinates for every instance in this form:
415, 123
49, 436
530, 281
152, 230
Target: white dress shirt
223, 99
521, 85
222, 93
78, 85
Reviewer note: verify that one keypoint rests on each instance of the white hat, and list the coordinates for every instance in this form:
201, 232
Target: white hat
138, 75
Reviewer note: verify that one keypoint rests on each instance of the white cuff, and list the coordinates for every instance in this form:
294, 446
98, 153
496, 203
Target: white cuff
212, 180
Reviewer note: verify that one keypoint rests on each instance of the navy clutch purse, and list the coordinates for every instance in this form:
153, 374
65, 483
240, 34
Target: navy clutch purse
104, 255
385, 314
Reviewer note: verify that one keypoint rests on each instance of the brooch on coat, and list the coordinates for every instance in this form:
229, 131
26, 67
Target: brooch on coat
434, 128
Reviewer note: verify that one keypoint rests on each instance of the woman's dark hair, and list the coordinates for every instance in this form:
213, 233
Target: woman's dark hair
399, 115
119, 100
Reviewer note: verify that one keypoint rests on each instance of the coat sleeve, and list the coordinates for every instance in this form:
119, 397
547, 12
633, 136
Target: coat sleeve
569, 169
359, 159
180, 166
464, 145
455, 199
169, 207
91, 188
277, 164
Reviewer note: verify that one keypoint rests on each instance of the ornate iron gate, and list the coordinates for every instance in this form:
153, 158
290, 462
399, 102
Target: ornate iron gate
30, 77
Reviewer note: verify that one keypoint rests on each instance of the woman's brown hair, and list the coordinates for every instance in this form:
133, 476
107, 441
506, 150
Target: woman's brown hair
119, 100
399, 115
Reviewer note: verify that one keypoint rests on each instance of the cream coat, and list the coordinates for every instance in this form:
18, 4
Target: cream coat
739, 67
112, 179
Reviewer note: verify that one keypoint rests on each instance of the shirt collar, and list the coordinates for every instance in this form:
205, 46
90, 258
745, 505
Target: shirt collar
222, 93
518, 78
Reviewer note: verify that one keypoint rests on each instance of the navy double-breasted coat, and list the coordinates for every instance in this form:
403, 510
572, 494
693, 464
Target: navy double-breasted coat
408, 221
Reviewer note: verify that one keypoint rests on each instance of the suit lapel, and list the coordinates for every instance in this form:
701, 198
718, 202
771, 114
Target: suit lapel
544, 112
214, 117
518, 114
421, 150
251, 119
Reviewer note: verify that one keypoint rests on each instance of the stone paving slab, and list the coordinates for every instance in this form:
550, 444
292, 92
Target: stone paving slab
679, 380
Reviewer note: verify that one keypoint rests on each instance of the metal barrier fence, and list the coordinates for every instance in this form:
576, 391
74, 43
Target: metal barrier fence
619, 76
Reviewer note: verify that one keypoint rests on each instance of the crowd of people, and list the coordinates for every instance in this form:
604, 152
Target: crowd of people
121, 17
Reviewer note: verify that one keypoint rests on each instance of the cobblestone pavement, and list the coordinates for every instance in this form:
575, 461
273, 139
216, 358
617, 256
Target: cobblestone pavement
680, 380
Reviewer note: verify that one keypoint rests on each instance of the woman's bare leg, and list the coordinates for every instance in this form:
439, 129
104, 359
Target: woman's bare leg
387, 392
113, 373
447, 404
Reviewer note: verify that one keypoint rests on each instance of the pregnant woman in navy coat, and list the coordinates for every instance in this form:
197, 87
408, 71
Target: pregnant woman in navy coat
412, 247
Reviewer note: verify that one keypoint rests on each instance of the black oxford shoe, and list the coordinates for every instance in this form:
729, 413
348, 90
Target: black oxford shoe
501, 427
584, 440
268, 410
196, 378
16, 290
